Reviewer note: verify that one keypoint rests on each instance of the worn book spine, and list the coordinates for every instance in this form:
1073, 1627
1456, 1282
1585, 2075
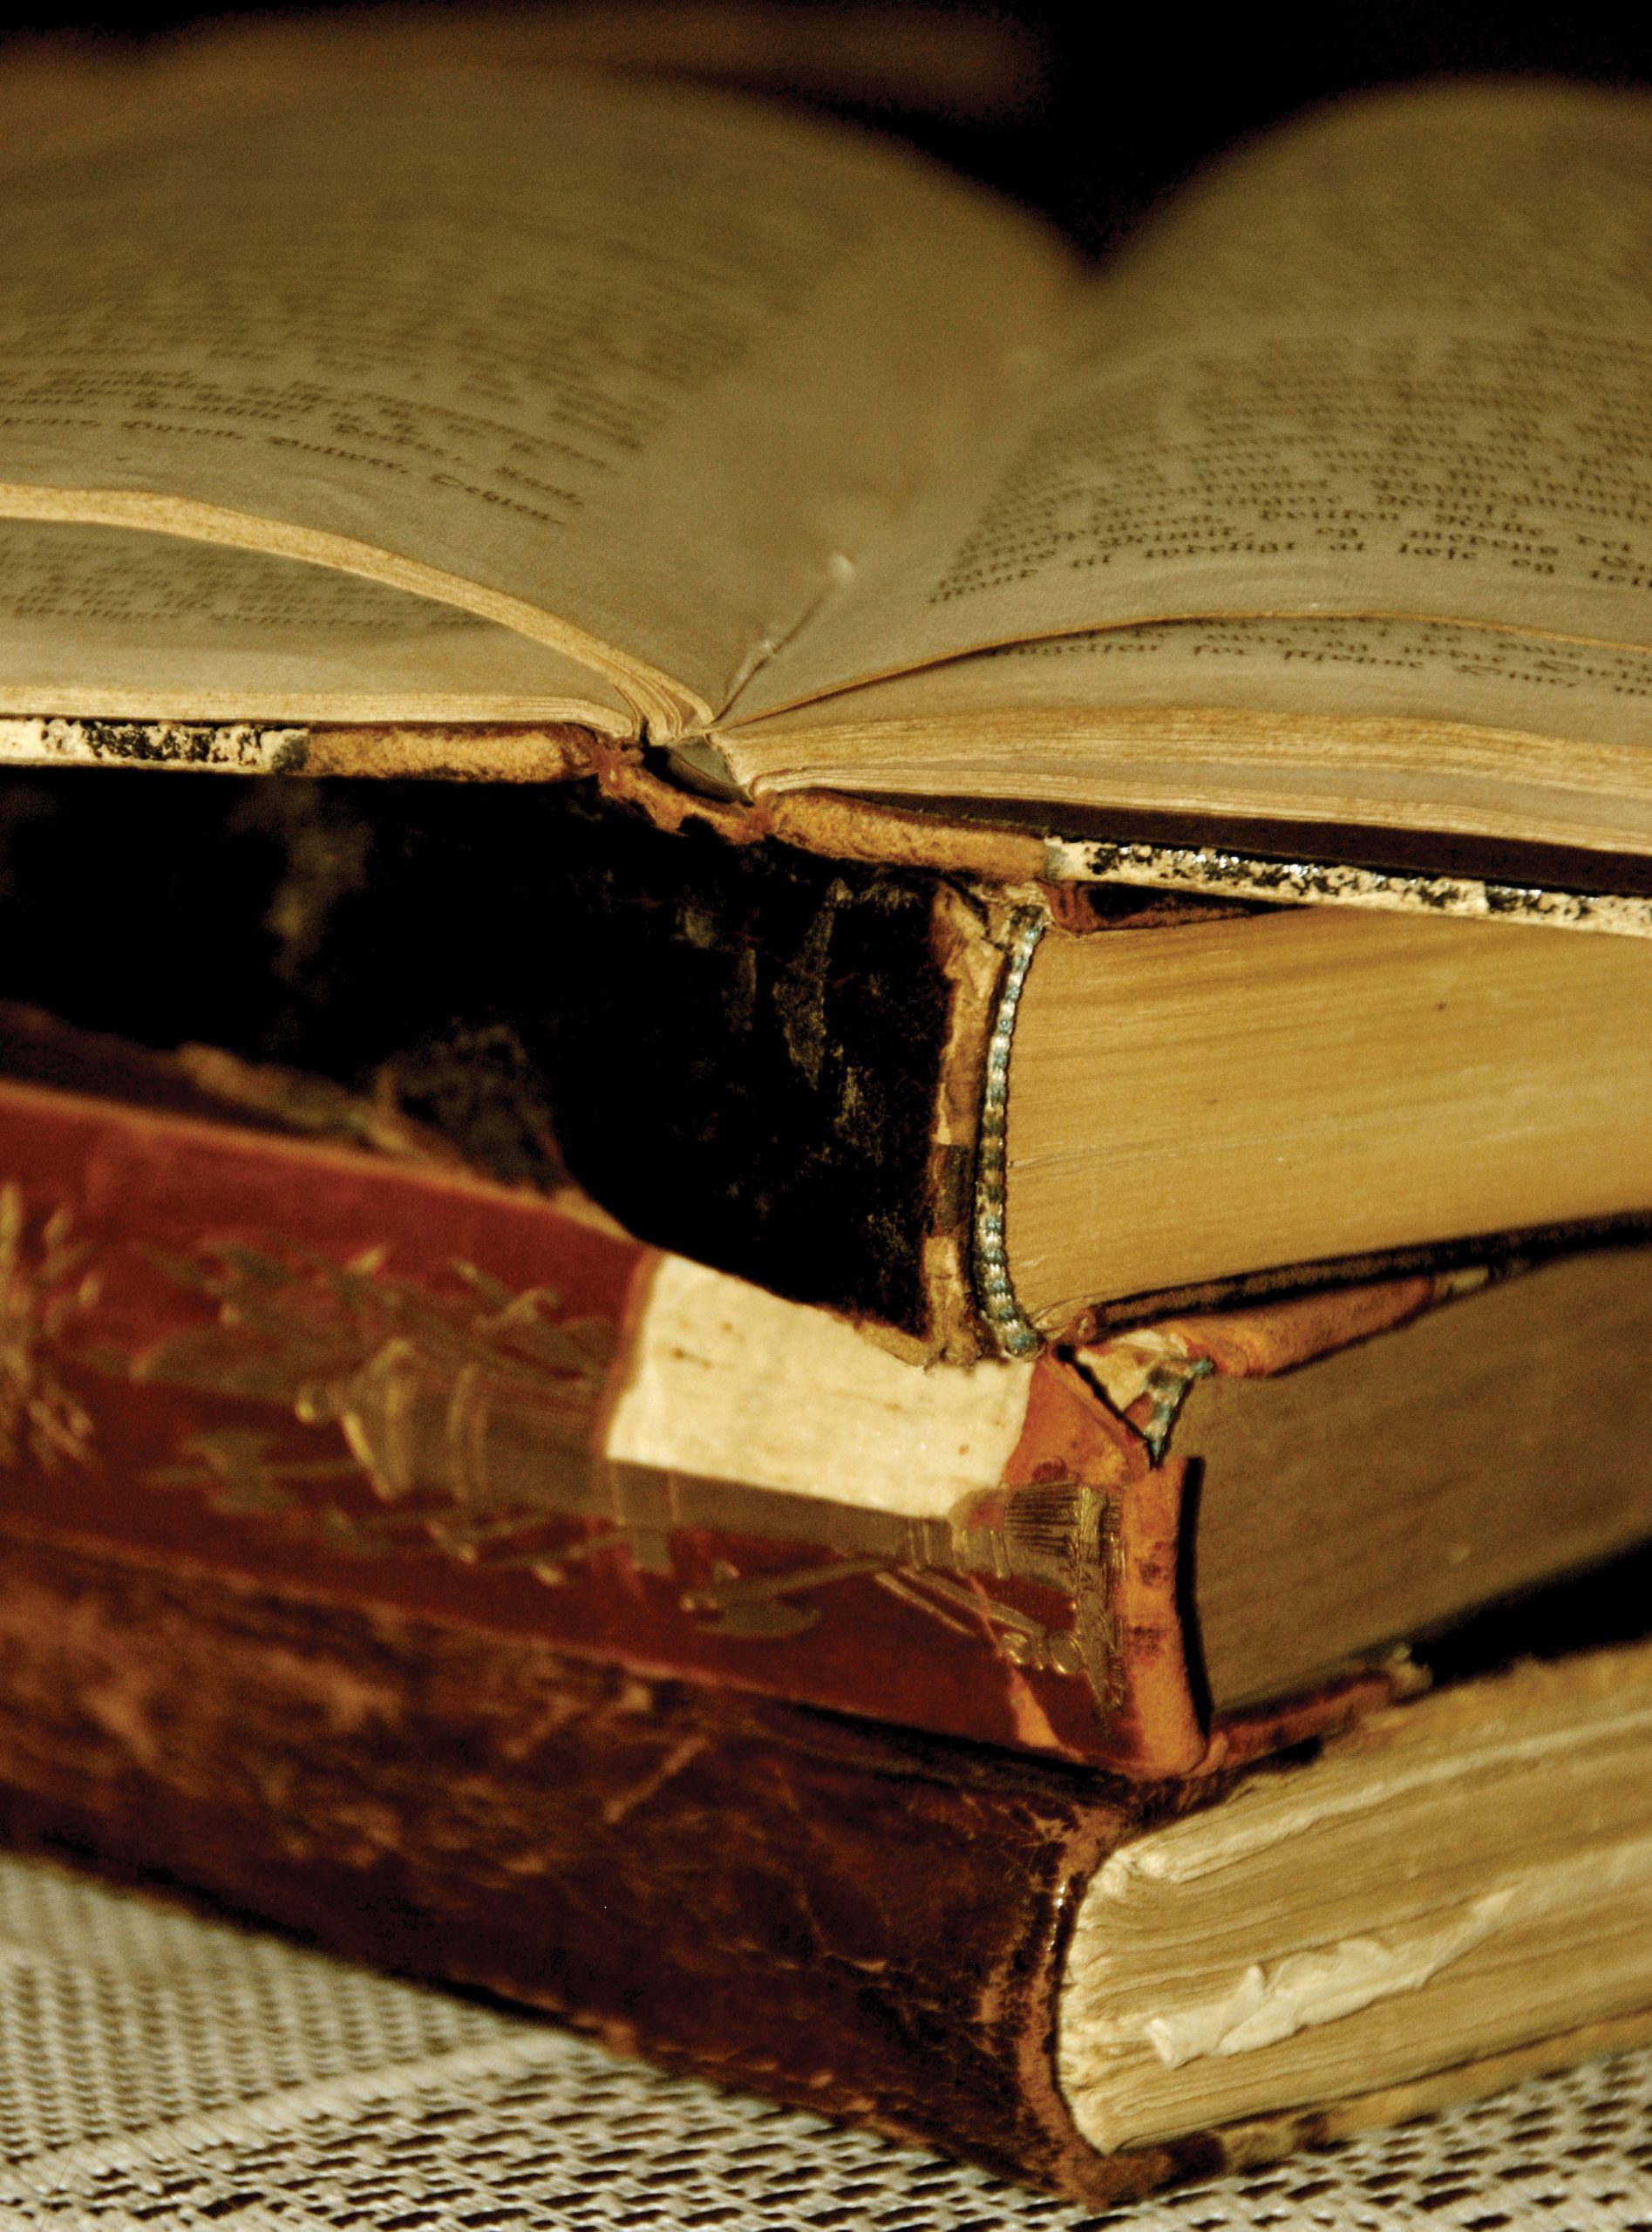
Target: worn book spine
381, 1380
869, 1923
838, 1031
743, 1046
825, 1025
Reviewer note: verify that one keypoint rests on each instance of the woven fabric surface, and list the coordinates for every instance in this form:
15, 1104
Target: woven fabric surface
158, 2070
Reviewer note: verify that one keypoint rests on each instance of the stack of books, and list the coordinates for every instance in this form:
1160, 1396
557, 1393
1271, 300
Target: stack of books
824, 1175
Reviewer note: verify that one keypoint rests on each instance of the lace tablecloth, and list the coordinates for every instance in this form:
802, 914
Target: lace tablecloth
158, 2071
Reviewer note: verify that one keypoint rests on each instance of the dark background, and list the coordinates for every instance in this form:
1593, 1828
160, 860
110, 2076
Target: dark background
1102, 109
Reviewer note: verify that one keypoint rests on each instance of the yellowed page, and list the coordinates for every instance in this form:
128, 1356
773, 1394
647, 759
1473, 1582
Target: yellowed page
1198, 1104
632, 369
115, 624
1463, 1873
1393, 362
1384, 722
728, 1383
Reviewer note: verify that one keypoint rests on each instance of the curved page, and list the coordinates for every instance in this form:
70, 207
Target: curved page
1375, 724
630, 369
1392, 362
115, 624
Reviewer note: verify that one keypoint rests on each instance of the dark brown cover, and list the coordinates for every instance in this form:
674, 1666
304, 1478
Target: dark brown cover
867, 1923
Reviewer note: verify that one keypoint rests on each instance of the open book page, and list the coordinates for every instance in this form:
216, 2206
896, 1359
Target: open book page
1394, 723
1391, 362
115, 624
629, 368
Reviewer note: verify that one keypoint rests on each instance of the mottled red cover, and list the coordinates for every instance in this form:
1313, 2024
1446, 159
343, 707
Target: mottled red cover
387, 1383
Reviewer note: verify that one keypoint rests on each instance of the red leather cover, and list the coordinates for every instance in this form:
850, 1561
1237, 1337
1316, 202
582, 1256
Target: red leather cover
390, 1385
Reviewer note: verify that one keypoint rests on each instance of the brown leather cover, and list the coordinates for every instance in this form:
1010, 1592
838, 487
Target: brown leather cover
869, 1924
864, 1921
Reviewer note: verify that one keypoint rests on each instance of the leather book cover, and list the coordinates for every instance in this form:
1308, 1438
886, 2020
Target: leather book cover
384, 1382
871, 1923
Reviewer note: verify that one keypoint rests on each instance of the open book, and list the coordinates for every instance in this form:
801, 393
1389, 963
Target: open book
658, 413
530, 430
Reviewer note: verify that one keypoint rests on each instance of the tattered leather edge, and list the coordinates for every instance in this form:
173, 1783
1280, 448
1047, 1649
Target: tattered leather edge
1145, 1372
969, 947
859, 829
850, 828
556, 752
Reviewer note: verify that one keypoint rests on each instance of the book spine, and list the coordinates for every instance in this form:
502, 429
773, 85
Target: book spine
774, 1064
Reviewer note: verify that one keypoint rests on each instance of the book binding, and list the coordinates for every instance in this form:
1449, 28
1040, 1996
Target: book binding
398, 1386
